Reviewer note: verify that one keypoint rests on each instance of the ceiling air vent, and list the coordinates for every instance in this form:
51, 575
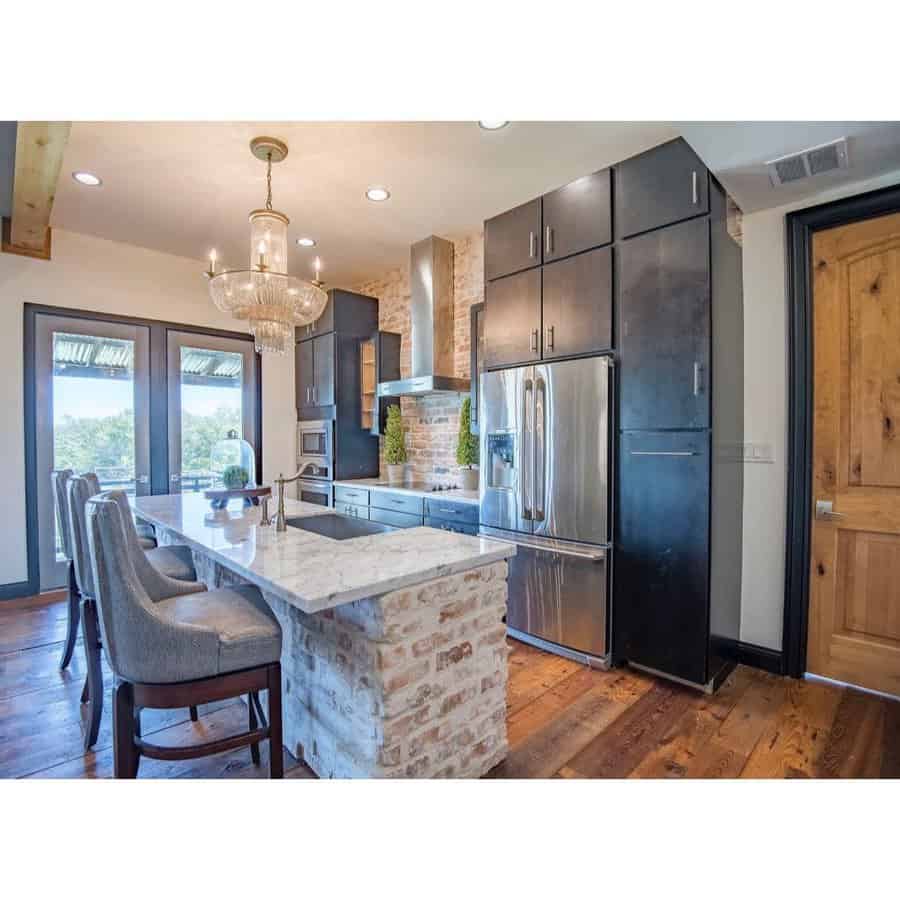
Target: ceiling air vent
815, 161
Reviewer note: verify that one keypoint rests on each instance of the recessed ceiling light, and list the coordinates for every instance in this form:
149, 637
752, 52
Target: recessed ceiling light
87, 178
377, 194
492, 126
305, 242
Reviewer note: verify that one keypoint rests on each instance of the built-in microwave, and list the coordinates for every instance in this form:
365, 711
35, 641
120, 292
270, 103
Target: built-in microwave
314, 449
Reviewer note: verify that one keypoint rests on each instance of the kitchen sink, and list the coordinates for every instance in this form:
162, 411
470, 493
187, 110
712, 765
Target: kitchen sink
336, 526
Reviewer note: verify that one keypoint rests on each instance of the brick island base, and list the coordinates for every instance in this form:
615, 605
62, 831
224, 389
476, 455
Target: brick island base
411, 684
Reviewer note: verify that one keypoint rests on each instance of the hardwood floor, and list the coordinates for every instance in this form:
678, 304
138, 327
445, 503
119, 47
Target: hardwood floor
564, 721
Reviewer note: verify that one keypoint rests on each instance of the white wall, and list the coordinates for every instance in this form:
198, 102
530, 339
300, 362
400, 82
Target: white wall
765, 411
89, 273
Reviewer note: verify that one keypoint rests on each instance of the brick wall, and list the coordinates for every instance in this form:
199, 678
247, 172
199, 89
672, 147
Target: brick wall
432, 423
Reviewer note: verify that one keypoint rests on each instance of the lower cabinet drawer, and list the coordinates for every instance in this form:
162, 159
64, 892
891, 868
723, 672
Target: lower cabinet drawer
452, 511
459, 527
397, 519
397, 502
344, 494
352, 509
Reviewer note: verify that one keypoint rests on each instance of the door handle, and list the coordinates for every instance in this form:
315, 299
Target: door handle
695, 193
540, 422
526, 469
698, 379
550, 338
825, 510
664, 453
534, 340
532, 245
548, 240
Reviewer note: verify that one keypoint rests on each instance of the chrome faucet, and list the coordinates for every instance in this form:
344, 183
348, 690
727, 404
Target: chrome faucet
281, 481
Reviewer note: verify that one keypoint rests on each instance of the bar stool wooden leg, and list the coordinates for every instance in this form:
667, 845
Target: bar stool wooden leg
276, 752
254, 724
74, 616
93, 687
125, 752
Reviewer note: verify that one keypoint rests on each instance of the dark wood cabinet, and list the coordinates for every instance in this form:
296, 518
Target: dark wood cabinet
664, 327
323, 370
664, 185
577, 304
512, 241
512, 319
578, 216
314, 373
304, 374
662, 560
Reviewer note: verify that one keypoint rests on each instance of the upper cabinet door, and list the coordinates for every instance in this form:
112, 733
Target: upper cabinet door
304, 374
323, 324
512, 241
512, 320
664, 331
323, 361
578, 216
578, 304
664, 185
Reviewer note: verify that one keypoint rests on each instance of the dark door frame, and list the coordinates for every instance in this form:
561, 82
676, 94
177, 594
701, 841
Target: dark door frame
800, 228
159, 429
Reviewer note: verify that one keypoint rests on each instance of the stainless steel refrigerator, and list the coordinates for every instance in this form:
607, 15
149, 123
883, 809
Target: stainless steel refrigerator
545, 485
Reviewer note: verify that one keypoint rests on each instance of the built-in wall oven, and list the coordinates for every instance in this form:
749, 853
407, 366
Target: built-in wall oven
315, 461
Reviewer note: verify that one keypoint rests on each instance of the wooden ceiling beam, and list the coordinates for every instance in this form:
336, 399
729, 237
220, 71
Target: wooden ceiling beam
39, 154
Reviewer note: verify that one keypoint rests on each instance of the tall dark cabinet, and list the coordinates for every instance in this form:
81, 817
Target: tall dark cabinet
330, 377
680, 479
636, 261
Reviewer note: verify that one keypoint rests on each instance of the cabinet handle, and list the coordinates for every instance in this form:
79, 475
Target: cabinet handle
548, 240
532, 245
698, 379
695, 198
663, 452
315, 394
534, 340
307, 397
550, 338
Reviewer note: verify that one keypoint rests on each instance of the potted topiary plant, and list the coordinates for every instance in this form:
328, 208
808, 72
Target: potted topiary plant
467, 448
394, 445
235, 477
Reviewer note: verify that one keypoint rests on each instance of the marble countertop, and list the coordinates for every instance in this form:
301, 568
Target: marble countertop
307, 570
458, 494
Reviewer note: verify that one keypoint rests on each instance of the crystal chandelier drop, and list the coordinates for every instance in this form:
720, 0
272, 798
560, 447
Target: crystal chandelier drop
272, 302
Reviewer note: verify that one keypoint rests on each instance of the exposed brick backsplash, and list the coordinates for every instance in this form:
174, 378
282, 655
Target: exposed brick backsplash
432, 423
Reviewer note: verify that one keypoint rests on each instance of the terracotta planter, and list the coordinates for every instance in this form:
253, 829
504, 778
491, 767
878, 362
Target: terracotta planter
469, 479
396, 472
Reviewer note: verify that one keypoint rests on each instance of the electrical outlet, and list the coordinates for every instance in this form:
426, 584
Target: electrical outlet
758, 452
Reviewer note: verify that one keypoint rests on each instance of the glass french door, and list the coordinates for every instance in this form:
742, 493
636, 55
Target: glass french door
92, 393
212, 389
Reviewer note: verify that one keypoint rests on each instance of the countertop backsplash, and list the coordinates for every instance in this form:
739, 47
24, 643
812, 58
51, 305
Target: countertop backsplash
432, 422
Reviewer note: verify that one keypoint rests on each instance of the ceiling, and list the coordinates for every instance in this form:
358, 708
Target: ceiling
186, 187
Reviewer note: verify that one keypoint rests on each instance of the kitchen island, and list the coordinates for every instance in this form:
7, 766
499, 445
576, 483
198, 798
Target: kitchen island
394, 648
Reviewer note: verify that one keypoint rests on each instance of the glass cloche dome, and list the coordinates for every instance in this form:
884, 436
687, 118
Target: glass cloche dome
232, 463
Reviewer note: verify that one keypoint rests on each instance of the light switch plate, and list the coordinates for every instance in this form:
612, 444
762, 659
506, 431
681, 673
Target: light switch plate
758, 452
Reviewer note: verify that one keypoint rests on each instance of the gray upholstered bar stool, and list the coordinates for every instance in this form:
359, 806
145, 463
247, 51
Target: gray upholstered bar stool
60, 490
80, 490
169, 653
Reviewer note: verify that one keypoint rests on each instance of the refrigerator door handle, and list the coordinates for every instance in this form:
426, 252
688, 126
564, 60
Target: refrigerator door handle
526, 469
540, 442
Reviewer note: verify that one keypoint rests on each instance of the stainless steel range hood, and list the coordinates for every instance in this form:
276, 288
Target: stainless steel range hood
431, 324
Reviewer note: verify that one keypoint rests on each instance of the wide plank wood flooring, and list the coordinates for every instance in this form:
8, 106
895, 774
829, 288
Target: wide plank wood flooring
564, 721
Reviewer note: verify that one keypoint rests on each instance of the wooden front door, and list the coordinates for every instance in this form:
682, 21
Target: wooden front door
854, 603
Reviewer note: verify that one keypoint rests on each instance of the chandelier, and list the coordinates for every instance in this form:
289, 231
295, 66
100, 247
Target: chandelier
272, 302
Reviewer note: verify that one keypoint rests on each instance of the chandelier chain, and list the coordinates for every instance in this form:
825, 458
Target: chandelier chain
269, 180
